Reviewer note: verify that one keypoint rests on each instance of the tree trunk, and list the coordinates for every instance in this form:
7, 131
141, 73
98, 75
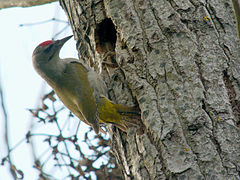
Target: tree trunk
180, 62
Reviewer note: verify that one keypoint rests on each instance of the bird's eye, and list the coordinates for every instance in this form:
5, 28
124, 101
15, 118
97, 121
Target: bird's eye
48, 48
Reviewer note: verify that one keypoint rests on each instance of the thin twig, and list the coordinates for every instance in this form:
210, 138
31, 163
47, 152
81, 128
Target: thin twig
5, 116
43, 22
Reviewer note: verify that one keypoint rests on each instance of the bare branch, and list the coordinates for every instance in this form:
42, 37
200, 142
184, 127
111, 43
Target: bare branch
5, 116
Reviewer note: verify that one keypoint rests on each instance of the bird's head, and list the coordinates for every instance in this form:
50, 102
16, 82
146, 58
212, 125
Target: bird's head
47, 50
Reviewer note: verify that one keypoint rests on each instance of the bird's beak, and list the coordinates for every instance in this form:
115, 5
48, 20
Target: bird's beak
61, 42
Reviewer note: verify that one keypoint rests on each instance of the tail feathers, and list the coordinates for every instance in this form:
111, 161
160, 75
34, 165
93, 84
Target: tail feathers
130, 117
128, 111
121, 116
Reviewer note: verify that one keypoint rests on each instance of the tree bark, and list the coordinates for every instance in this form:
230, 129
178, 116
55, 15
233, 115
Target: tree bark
180, 62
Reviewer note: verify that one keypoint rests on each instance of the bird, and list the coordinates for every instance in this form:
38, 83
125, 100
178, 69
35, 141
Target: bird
81, 89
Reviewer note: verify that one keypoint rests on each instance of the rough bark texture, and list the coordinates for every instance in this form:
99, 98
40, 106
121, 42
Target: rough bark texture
180, 61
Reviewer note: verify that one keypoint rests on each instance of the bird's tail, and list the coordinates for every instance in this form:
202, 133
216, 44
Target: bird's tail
121, 116
130, 116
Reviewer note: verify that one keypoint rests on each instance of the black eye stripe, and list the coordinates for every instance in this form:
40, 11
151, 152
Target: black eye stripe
50, 58
49, 48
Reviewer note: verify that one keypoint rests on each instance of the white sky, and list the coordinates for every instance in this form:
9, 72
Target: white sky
20, 83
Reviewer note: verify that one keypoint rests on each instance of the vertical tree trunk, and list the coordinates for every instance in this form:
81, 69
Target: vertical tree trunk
180, 61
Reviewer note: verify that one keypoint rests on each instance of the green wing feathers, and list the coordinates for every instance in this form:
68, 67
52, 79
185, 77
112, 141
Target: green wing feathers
86, 100
77, 94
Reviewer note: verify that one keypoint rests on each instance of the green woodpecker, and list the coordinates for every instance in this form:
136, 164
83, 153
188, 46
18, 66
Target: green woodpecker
80, 89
